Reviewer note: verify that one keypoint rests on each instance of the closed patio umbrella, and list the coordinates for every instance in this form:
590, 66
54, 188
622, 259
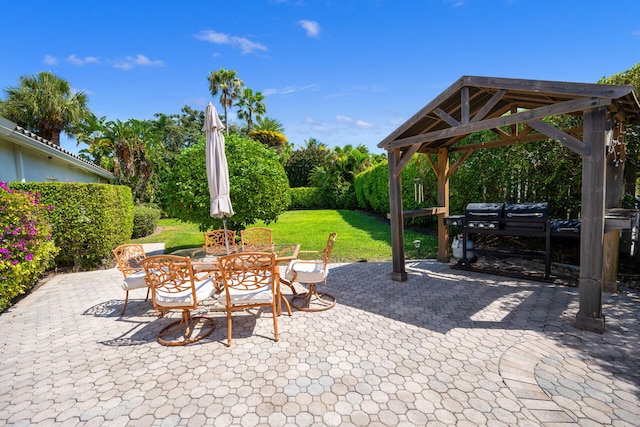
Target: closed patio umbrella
217, 169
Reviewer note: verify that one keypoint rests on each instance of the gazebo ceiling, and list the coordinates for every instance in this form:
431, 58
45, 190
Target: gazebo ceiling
474, 103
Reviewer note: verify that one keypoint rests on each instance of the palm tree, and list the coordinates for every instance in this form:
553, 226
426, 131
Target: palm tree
249, 105
45, 105
137, 151
225, 82
270, 124
270, 132
314, 143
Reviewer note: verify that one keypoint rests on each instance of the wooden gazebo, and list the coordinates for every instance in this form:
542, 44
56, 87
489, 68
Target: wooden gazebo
475, 104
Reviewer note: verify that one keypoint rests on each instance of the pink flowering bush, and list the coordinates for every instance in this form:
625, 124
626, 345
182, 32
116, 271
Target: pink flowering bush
26, 248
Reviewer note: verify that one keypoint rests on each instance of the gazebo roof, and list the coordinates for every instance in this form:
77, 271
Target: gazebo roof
475, 103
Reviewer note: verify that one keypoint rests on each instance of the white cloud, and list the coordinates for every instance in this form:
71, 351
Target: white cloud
139, 60
356, 123
635, 33
246, 45
50, 60
311, 27
73, 59
363, 125
288, 89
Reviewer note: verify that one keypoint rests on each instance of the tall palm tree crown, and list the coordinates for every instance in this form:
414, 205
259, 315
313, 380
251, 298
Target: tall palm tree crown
45, 104
229, 85
250, 105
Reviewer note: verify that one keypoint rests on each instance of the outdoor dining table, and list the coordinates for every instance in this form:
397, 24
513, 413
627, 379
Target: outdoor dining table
203, 261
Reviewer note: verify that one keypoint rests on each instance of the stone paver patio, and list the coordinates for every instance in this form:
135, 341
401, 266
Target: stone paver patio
446, 347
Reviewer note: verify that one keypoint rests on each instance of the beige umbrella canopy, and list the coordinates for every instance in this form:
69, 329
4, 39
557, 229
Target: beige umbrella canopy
217, 169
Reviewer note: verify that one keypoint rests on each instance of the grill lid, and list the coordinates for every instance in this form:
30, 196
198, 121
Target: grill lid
484, 211
526, 211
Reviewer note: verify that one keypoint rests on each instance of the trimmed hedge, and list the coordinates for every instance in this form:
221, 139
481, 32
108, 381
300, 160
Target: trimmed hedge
145, 221
88, 220
305, 198
372, 189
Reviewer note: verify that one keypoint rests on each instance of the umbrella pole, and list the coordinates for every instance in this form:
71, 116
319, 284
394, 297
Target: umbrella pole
226, 234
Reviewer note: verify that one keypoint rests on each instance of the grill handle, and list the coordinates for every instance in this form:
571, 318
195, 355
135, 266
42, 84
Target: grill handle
528, 215
483, 214
574, 229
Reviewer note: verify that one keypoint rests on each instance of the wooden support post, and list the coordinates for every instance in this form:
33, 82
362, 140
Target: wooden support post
399, 273
613, 199
443, 201
589, 315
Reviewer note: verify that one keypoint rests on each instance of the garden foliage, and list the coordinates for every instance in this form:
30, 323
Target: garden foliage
26, 246
145, 221
302, 163
258, 185
89, 219
534, 172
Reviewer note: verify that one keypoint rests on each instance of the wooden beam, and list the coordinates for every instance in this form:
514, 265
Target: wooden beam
406, 156
399, 273
457, 164
500, 142
413, 213
551, 87
502, 134
451, 90
567, 140
464, 105
589, 315
488, 106
434, 167
446, 117
524, 116
443, 200
614, 190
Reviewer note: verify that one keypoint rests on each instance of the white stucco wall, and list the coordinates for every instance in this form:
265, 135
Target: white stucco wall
23, 158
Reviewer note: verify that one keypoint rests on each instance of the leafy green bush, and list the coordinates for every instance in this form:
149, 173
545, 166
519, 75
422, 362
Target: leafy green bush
305, 198
145, 221
258, 185
372, 189
26, 248
302, 163
89, 219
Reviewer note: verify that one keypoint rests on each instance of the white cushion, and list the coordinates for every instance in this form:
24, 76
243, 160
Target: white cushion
135, 281
204, 289
241, 296
305, 272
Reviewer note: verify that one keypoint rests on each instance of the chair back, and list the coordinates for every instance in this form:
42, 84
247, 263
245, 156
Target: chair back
129, 258
250, 280
326, 252
172, 282
248, 272
214, 241
256, 236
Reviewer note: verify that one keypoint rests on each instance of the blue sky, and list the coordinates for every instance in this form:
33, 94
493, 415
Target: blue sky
341, 71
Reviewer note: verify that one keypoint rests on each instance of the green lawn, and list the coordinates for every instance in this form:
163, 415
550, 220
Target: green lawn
361, 237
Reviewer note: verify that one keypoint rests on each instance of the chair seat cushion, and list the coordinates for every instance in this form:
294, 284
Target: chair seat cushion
135, 281
305, 272
204, 289
241, 296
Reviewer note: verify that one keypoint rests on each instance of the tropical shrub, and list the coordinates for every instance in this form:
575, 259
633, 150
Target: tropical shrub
301, 164
259, 187
145, 221
26, 247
